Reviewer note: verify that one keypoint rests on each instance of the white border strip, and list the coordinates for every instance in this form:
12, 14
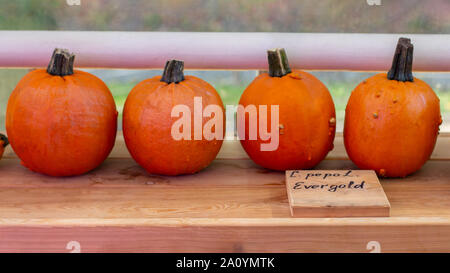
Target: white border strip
150, 50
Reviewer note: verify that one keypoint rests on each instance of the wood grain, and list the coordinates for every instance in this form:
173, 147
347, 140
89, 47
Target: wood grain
121, 189
231, 149
225, 238
232, 206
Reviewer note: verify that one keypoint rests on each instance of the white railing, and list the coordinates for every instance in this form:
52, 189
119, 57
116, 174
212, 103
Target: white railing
150, 50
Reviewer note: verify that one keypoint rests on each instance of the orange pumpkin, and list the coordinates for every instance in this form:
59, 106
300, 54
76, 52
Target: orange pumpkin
3, 143
392, 120
61, 121
307, 119
148, 122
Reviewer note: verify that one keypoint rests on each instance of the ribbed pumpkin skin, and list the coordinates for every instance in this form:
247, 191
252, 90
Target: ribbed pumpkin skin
147, 124
391, 126
61, 126
306, 116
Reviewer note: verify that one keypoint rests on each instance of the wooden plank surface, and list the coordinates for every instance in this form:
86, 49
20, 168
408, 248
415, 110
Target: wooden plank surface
232, 149
225, 237
228, 188
232, 206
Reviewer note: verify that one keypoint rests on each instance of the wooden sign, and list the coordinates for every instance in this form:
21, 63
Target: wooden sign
336, 193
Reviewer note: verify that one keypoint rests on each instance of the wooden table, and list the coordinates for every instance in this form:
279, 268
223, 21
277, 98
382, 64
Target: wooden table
232, 206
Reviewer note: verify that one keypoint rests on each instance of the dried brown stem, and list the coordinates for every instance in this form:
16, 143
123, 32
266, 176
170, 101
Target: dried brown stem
278, 62
61, 63
173, 72
401, 69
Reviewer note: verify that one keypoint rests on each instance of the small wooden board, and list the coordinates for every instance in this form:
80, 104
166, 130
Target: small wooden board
335, 193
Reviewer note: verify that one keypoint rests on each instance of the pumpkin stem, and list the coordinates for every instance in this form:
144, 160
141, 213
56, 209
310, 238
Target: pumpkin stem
4, 139
401, 69
173, 72
278, 62
61, 63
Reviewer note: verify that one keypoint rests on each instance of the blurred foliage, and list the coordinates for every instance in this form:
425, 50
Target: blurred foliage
340, 89
30, 15
401, 16
230, 94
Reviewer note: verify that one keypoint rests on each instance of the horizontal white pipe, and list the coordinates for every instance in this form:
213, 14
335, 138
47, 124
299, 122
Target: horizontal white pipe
149, 50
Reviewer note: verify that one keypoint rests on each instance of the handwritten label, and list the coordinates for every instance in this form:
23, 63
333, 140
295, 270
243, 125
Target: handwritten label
307, 184
324, 175
335, 193
328, 187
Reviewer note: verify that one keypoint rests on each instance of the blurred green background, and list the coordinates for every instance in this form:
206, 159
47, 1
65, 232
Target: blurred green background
401, 16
